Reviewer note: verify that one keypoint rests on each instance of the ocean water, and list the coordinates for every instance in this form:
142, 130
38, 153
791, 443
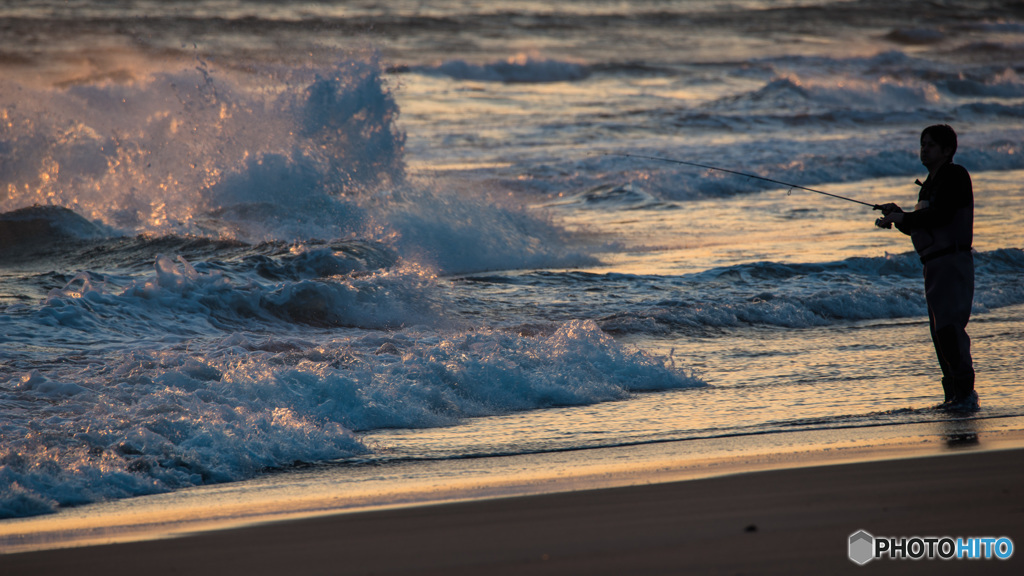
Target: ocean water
244, 237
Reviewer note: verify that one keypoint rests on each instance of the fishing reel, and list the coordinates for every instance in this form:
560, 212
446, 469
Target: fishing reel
886, 210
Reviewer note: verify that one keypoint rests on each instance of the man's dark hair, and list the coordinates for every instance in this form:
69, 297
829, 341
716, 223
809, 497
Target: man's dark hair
943, 135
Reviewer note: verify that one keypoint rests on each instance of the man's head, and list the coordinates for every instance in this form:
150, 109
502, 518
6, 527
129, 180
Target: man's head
943, 135
938, 145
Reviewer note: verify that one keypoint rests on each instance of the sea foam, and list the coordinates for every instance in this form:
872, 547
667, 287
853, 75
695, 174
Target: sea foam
151, 421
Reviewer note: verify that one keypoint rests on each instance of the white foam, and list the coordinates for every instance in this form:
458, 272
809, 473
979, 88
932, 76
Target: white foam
155, 421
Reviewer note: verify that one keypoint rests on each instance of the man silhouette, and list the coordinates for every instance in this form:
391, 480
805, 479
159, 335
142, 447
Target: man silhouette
941, 227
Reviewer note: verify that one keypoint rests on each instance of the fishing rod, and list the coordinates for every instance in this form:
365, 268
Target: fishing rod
875, 206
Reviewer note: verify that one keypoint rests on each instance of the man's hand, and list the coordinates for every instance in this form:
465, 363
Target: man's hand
889, 208
893, 214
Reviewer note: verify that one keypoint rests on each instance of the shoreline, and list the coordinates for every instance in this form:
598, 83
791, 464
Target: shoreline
789, 521
334, 491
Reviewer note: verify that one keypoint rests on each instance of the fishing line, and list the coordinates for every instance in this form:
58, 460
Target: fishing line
705, 166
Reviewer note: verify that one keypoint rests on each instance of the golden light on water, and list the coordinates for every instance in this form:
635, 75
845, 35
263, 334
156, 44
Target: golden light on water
780, 226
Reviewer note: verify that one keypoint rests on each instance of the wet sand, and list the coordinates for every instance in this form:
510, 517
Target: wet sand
791, 521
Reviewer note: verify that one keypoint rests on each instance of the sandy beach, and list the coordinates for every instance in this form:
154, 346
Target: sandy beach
790, 521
